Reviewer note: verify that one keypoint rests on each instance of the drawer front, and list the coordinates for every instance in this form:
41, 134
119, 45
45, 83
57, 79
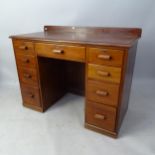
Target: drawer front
23, 47
28, 76
26, 61
61, 52
105, 56
104, 73
30, 95
100, 116
104, 93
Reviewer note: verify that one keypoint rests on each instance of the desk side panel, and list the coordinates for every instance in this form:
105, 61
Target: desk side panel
129, 62
52, 80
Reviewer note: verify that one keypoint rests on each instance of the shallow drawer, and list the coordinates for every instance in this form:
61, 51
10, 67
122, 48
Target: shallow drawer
23, 47
100, 115
28, 76
61, 52
26, 61
30, 95
105, 56
104, 73
104, 93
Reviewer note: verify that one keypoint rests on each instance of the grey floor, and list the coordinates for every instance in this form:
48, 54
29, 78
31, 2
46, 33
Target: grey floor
60, 131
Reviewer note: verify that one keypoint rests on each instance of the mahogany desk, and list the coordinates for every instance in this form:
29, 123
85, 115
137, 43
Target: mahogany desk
95, 62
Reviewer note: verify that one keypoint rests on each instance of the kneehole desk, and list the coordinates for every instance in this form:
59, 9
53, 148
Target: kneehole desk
95, 62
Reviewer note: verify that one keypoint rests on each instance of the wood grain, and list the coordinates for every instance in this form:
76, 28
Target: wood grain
72, 53
95, 30
30, 95
26, 61
113, 37
28, 76
97, 62
108, 98
129, 61
104, 56
23, 47
109, 114
104, 73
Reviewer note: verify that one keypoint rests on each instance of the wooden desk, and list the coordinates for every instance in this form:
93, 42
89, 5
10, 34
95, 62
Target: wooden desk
97, 62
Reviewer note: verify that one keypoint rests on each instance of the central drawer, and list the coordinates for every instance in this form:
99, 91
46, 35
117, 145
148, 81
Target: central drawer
74, 53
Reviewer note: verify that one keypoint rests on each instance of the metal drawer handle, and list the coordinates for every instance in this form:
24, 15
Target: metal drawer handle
58, 51
101, 117
27, 76
23, 47
102, 93
102, 73
104, 57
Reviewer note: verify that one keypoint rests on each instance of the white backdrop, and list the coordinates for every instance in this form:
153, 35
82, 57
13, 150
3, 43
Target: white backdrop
48, 134
24, 16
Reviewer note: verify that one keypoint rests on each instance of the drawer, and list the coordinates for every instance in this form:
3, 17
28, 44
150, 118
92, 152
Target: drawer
100, 116
23, 47
28, 76
104, 93
74, 53
26, 61
103, 56
104, 73
30, 95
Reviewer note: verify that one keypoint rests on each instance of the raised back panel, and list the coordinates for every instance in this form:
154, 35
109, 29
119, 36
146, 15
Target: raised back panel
72, 29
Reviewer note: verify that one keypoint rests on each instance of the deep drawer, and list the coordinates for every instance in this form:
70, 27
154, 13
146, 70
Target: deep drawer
30, 95
100, 116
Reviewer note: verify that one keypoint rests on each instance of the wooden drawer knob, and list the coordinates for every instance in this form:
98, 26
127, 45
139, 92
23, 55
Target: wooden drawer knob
102, 73
58, 51
26, 60
98, 116
104, 57
23, 47
102, 93
31, 96
27, 76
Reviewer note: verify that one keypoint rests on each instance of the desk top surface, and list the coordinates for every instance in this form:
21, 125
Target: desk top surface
122, 37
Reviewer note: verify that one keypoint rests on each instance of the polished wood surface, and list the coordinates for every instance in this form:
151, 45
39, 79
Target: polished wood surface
104, 56
120, 37
73, 53
102, 92
100, 115
126, 82
104, 73
52, 80
30, 95
95, 62
28, 76
26, 61
24, 47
